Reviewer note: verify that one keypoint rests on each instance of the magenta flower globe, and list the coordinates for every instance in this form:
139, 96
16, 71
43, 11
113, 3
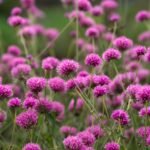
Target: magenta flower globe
36, 84
32, 146
27, 119
112, 146
14, 102
56, 84
67, 67
111, 54
93, 59
49, 63
120, 116
73, 143
123, 43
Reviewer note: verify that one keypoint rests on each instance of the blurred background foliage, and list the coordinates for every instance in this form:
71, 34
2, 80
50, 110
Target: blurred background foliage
54, 17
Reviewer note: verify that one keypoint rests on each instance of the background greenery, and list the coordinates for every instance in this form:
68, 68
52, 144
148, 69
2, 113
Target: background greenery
54, 17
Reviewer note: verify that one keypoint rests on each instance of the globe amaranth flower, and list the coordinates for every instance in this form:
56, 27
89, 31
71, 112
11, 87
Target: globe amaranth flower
82, 82
16, 11
144, 37
68, 130
96, 130
56, 84
58, 109
51, 34
49, 63
44, 105
67, 67
27, 119
27, 3
111, 54
21, 70
32, 146
144, 112
99, 90
36, 84
112, 146
100, 80
14, 102
143, 94
30, 102
5, 91
73, 143
114, 17
123, 43
17, 61
139, 51
87, 138
148, 140
108, 36
16, 21
93, 59
92, 32
14, 50
96, 11
143, 132
142, 15
109, 5
120, 116
83, 5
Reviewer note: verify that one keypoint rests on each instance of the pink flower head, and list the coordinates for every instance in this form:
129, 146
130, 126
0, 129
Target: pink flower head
56, 84
5, 91
143, 93
27, 3
36, 84
99, 91
92, 32
111, 54
67, 66
96, 11
87, 138
144, 112
123, 43
14, 102
96, 130
120, 116
112, 146
68, 130
14, 50
27, 119
101, 80
143, 132
144, 37
49, 63
83, 5
73, 143
21, 70
114, 17
32, 146
93, 59
16, 21
142, 15
30, 102
109, 5
44, 105
16, 11
52, 34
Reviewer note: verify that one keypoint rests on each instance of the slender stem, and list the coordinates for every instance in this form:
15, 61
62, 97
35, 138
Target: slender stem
13, 131
24, 44
51, 43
